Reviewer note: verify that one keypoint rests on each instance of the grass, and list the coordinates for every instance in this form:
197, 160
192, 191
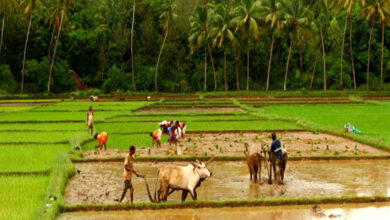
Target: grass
53, 116
182, 118
372, 120
29, 158
37, 137
11, 108
21, 196
73, 126
123, 142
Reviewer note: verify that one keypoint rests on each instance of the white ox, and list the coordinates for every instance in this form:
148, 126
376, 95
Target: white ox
185, 178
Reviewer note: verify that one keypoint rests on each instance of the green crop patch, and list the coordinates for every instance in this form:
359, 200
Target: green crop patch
183, 118
372, 120
123, 142
73, 126
96, 107
133, 104
124, 127
29, 158
28, 100
52, 116
38, 137
21, 196
12, 108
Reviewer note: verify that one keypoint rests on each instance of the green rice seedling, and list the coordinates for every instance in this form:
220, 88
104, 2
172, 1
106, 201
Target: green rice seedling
189, 140
327, 147
205, 154
241, 133
216, 146
21, 196
230, 145
149, 151
220, 150
336, 153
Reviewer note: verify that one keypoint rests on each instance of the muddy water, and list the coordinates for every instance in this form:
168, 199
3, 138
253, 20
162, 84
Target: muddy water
102, 183
339, 212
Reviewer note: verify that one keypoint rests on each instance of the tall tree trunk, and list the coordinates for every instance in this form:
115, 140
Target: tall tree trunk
25, 52
368, 60
158, 60
54, 53
288, 61
342, 54
2, 32
300, 62
314, 69
383, 45
237, 74
270, 60
224, 67
131, 48
51, 41
205, 69
212, 64
247, 66
350, 49
323, 45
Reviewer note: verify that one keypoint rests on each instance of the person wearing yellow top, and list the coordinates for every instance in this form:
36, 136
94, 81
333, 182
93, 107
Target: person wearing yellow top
127, 173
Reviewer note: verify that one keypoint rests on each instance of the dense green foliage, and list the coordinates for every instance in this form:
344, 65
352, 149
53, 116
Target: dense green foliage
94, 41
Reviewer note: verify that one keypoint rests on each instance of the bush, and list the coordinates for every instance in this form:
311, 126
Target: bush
7, 82
37, 75
117, 80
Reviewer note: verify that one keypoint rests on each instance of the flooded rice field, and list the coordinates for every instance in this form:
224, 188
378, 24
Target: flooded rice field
102, 183
377, 211
229, 143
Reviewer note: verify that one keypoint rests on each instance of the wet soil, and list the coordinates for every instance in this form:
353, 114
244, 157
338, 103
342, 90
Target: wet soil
222, 109
233, 144
102, 183
377, 211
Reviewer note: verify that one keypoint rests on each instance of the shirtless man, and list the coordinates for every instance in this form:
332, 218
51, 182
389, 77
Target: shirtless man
90, 120
127, 173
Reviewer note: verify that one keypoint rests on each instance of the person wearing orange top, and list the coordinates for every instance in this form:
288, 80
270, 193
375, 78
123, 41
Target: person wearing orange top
183, 128
102, 139
156, 135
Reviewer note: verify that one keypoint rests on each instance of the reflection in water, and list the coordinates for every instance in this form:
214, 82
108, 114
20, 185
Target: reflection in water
230, 180
355, 211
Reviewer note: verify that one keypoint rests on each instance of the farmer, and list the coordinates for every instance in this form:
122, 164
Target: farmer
276, 147
127, 173
156, 136
172, 135
90, 120
102, 139
164, 125
183, 128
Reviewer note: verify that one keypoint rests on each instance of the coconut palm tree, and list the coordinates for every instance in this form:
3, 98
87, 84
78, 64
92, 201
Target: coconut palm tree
167, 18
29, 6
221, 30
374, 9
296, 21
59, 12
245, 18
131, 47
269, 10
6, 9
198, 36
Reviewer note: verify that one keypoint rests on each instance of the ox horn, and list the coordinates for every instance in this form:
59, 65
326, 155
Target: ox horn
210, 160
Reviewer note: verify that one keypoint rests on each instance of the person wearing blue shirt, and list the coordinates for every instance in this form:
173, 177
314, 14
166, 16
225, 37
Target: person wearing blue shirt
276, 147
